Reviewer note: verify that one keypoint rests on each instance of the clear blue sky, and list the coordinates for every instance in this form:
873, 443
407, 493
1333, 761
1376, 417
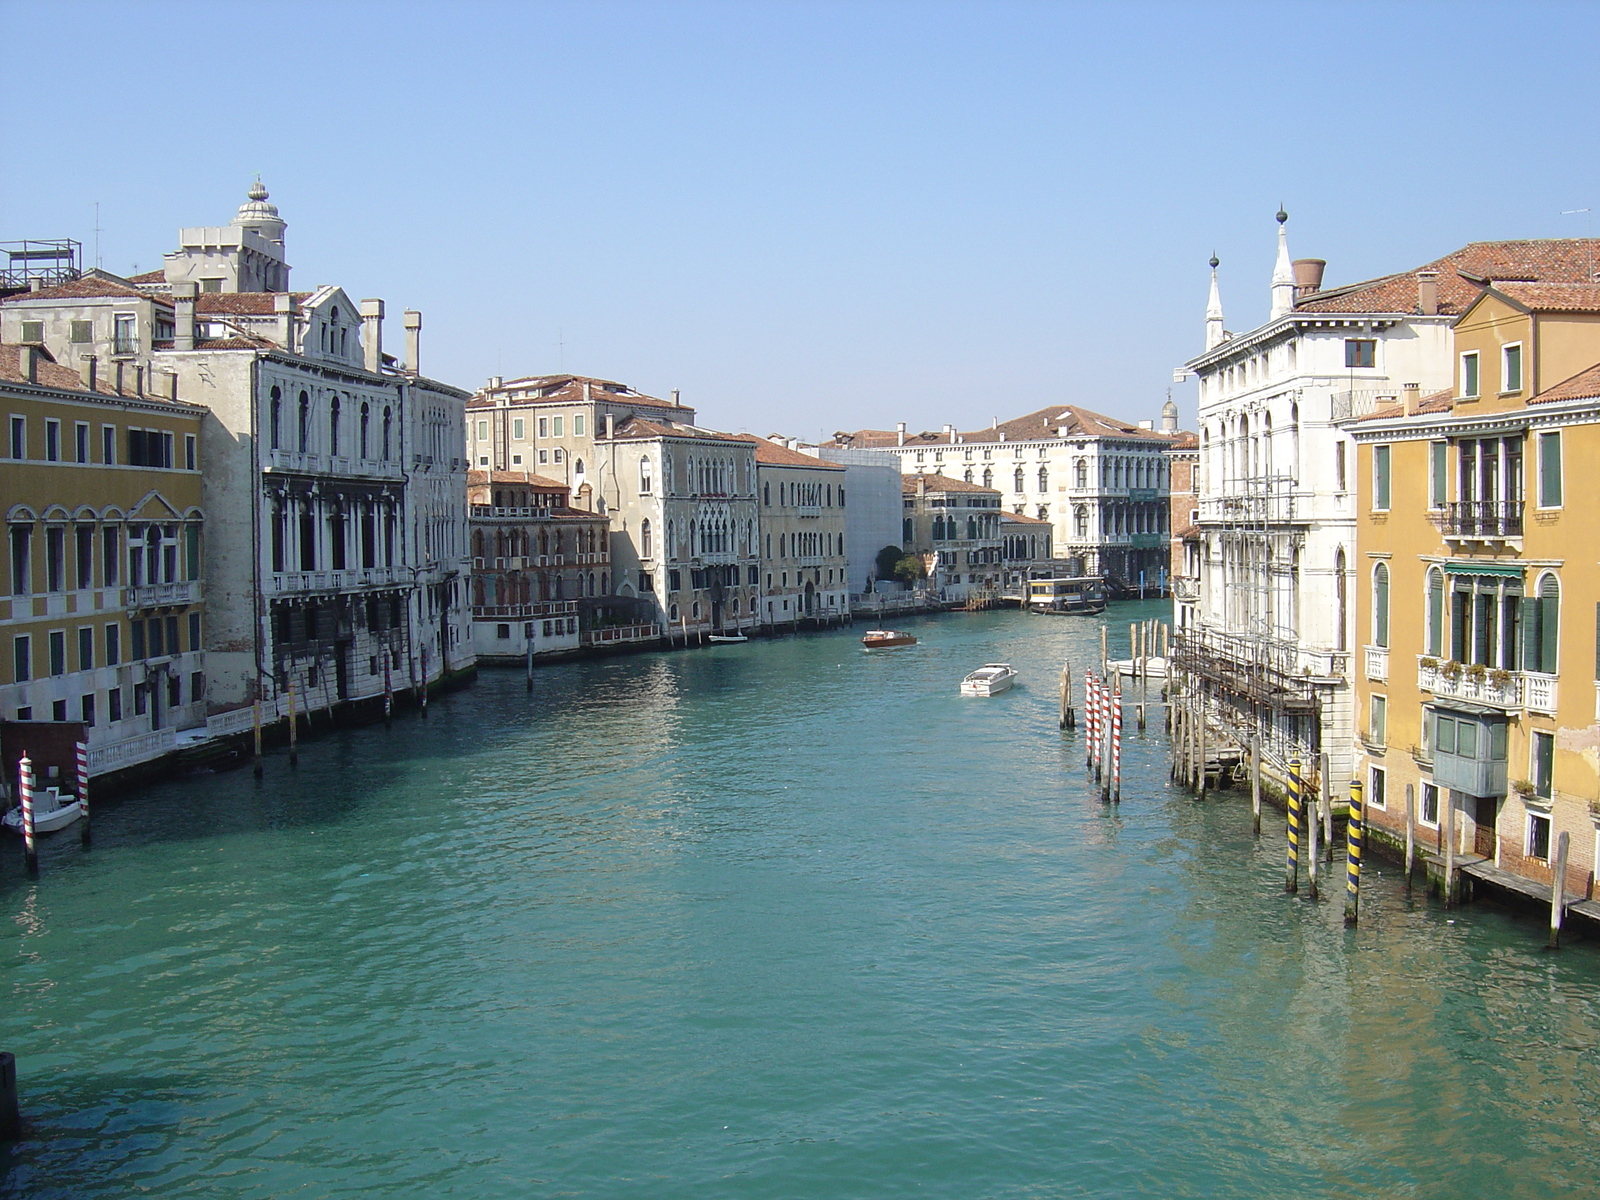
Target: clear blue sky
809, 216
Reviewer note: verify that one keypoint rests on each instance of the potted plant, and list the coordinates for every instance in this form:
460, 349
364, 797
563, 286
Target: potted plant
1500, 677
1477, 672
1451, 670
1522, 787
1428, 663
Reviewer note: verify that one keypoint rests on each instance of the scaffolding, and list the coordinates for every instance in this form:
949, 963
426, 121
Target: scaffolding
35, 262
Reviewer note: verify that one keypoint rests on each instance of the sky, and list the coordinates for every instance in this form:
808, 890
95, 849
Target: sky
809, 216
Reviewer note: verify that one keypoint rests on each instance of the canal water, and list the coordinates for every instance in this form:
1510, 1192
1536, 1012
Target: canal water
785, 920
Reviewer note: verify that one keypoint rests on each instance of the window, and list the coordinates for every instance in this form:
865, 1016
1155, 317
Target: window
1430, 805
55, 549
577, 424
1538, 836
189, 458
52, 440
555, 427
1377, 790
1378, 722
1380, 605
22, 658
110, 555
83, 539
303, 423
1435, 630
1511, 368
646, 547
544, 427
483, 431
33, 331
516, 429
81, 332
1360, 352
275, 420
108, 445
80, 442
646, 481
113, 645
86, 709
86, 648
503, 632
1437, 452
212, 285
1550, 470
1541, 623
114, 704
1469, 373
58, 652
1541, 763
1380, 477
544, 456
1338, 466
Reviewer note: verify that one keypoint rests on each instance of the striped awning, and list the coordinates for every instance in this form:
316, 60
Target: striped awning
1469, 567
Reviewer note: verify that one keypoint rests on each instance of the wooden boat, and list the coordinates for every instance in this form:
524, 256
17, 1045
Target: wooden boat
53, 809
989, 680
883, 639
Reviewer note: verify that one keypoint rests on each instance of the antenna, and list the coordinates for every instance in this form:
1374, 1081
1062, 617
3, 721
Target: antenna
1588, 235
97, 234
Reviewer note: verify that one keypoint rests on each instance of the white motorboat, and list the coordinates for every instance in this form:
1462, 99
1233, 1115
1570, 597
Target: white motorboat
53, 809
989, 680
726, 637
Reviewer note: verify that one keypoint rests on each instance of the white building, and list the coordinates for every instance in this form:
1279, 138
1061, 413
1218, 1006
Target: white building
1276, 527
873, 518
1102, 483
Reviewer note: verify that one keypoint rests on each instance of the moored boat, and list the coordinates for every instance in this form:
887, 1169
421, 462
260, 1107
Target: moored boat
53, 809
726, 637
881, 639
988, 680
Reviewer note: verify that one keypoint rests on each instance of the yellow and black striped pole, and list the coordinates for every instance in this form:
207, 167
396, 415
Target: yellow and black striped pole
1291, 871
1352, 871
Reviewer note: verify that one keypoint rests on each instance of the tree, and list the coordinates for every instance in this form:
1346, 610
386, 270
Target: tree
888, 559
910, 569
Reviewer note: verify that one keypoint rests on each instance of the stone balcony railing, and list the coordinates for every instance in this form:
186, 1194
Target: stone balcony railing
1502, 689
163, 595
308, 462
340, 581
1377, 662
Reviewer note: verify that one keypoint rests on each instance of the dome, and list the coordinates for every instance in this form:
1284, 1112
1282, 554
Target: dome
1169, 409
259, 214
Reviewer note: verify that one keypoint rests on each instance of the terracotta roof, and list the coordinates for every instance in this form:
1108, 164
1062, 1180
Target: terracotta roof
1021, 519
526, 478
781, 456
1438, 402
1561, 260
1585, 385
1059, 420
50, 373
635, 426
568, 389
942, 483
1553, 297
159, 276
1184, 440
89, 287
1185, 532
243, 303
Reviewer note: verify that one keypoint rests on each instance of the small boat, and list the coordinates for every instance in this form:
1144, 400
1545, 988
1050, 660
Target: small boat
882, 639
53, 809
726, 637
989, 680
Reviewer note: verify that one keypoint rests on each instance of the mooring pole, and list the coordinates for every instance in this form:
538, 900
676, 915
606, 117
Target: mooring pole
294, 734
424, 683
1325, 791
10, 1116
1352, 870
30, 847
83, 789
1255, 782
1313, 826
388, 692
1116, 746
1103, 656
1411, 830
1291, 870
1200, 754
1449, 849
1066, 683
1558, 889
255, 731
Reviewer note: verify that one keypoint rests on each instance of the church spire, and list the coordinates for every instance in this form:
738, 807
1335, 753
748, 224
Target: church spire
1214, 333
1282, 272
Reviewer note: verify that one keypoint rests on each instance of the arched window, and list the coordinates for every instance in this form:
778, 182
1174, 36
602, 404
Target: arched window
276, 419
366, 420
1341, 610
988, 477
645, 480
967, 475
1044, 479
1541, 626
305, 422
333, 426
577, 468
645, 545
1019, 481
1080, 473
1080, 522
387, 423
1380, 605
1435, 642
905, 533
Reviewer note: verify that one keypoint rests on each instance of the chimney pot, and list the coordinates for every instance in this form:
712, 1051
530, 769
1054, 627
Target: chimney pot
1412, 394
611, 425
89, 368
372, 335
413, 323
283, 316
1428, 293
1308, 275
900, 434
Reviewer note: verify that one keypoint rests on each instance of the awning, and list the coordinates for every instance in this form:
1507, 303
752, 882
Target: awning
1468, 567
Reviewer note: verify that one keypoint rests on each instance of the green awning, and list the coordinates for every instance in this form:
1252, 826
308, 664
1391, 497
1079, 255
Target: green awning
1468, 567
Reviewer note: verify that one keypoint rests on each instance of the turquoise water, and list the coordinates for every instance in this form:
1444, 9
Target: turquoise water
782, 919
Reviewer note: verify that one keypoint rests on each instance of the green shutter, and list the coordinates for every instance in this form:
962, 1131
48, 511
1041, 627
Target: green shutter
1380, 477
1436, 479
1550, 470
1380, 605
1436, 619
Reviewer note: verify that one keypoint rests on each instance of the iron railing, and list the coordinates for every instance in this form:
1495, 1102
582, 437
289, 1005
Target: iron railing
1482, 519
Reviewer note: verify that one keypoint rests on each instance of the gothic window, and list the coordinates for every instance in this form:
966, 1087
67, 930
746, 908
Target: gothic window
1044, 479
387, 422
305, 423
645, 546
333, 427
645, 480
1018, 481
275, 419
366, 421
1380, 605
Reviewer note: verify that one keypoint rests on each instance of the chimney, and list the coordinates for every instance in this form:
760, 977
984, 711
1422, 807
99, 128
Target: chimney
589, 395
120, 366
1412, 394
1308, 275
900, 434
283, 318
183, 295
36, 284
950, 432
89, 368
1428, 293
675, 399
413, 320
1147, 424
172, 385
372, 334
29, 363
138, 381
611, 425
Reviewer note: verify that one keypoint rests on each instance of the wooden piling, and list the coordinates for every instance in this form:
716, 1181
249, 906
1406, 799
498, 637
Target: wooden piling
1558, 889
1103, 655
1325, 794
1116, 746
83, 790
1449, 848
255, 735
294, 732
1313, 827
1200, 753
1255, 782
1411, 830
1354, 834
10, 1115
1291, 868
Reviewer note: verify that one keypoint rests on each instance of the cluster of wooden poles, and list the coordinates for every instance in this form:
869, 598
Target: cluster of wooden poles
25, 786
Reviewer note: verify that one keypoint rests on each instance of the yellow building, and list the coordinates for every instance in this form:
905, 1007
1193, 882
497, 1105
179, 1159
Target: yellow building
102, 607
1476, 588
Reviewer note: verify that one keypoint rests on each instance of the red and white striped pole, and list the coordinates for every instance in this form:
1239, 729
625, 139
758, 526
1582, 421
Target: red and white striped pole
1116, 747
30, 848
1088, 720
1099, 727
83, 789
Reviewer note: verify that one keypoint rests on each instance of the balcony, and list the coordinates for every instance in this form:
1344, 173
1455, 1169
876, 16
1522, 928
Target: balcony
309, 462
1481, 519
163, 595
340, 581
1479, 685
535, 610
1377, 662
